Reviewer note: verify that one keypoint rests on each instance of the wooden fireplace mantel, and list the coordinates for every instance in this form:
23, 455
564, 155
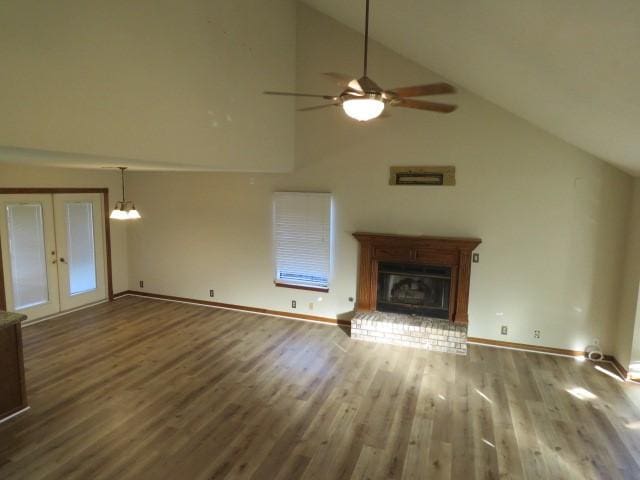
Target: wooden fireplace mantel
438, 251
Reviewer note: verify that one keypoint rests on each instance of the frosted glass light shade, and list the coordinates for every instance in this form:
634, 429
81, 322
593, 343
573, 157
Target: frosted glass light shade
133, 214
118, 214
363, 109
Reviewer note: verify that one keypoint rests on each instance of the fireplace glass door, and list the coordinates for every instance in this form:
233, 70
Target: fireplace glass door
414, 289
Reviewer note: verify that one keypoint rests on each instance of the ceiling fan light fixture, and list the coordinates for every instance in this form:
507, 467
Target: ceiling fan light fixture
363, 109
362, 99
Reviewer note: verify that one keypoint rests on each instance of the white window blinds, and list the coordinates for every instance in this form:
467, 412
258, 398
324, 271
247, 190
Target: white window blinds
302, 235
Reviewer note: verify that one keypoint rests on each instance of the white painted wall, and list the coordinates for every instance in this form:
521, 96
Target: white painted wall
552, 218
627, 348
16, 176
168, 83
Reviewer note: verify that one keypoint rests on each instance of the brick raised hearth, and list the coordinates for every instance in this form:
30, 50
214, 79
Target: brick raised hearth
410, 331
414, 291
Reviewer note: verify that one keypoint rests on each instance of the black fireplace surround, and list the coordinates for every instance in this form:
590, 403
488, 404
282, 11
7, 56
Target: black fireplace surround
414, 289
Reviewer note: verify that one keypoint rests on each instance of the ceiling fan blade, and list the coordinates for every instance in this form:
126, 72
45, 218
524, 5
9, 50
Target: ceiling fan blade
317, 107
291, 94
422, 105
420, 90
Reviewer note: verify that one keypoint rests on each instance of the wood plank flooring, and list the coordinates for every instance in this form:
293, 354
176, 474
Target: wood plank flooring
146, 389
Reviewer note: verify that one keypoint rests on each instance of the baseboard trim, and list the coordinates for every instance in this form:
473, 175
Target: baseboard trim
525, 347
242, 308
546, 350
14, 414
29, 323
621, 370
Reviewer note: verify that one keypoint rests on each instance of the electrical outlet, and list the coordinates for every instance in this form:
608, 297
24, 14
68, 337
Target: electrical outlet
596, 342
293, 304
141, 284
310, 305
536, 334
476, 258
211, 293
504, 330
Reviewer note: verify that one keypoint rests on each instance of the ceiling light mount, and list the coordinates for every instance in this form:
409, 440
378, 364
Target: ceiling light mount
124, 209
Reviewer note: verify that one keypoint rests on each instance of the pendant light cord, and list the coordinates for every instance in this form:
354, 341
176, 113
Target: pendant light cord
122, 169
366, 38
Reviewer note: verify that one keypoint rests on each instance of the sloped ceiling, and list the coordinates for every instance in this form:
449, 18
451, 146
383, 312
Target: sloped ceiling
571, 67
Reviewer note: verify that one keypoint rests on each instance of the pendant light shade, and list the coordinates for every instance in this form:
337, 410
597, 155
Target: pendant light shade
118, 213
124, 209
133, 214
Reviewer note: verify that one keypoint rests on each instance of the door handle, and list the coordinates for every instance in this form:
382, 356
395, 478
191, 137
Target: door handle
62, 260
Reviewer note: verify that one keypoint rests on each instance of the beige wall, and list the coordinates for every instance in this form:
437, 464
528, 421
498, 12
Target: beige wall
165, 82
551, 217
627, 348
15, 176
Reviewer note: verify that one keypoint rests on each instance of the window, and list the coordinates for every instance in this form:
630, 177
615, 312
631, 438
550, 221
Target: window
302, 237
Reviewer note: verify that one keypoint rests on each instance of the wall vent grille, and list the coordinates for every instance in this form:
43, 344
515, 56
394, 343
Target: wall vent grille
423, 176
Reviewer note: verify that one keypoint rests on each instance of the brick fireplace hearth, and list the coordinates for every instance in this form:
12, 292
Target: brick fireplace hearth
410, 331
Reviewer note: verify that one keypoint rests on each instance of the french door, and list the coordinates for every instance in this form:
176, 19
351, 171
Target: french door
53, 252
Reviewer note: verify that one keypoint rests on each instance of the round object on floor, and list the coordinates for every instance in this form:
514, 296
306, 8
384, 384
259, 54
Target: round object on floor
594, 353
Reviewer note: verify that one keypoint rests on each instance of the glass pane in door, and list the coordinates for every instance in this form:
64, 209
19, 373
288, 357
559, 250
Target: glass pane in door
27, 254
81, 247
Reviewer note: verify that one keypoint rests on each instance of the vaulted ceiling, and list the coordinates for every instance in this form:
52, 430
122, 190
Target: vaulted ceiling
571, 67
178, 88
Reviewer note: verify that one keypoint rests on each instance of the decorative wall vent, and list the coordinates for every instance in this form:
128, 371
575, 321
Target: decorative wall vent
422, 176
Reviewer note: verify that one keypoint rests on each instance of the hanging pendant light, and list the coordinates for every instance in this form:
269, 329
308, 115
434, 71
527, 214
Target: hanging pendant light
124, 209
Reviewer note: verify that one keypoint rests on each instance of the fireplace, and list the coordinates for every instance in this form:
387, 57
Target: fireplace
426, 276
414, 289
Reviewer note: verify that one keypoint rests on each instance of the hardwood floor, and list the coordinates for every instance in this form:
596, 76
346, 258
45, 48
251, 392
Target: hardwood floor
141, 388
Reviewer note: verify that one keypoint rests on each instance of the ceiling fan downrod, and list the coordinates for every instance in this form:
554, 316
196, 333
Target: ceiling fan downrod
366, 37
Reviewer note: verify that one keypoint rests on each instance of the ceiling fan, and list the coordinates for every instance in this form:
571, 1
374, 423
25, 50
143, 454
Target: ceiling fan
362, 99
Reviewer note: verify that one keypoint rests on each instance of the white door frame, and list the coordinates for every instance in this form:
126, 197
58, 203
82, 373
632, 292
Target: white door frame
107, 230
